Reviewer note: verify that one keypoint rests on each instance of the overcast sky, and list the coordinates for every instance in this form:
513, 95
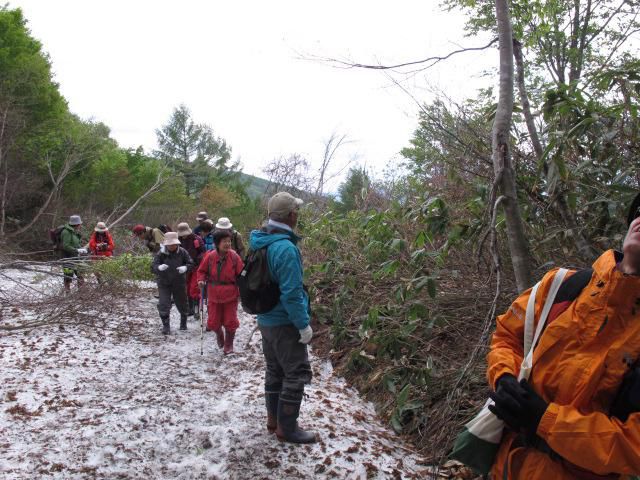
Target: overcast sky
237, 66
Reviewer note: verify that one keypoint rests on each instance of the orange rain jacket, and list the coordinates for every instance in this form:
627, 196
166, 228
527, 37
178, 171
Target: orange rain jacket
578, 366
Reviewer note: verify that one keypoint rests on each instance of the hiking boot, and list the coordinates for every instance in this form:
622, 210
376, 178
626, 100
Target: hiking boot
219, 337
165, 326
228, 342
288, 429
183, 322
271, 400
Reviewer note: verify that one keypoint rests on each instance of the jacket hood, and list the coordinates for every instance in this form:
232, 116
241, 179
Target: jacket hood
259, 239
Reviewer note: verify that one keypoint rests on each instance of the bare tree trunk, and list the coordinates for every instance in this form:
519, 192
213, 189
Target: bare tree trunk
502, 165
158, 183
561, 206
58, 182
3, 162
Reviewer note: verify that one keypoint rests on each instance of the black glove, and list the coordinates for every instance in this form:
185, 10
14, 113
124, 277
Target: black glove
506, 407
627, 400
519, 406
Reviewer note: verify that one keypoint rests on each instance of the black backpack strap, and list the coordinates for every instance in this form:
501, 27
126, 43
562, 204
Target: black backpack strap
573, 286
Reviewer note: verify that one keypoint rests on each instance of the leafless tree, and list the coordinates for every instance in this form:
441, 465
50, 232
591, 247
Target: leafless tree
160, 180
288, 173
325, 173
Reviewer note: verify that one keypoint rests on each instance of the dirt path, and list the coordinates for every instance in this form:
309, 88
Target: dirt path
78, 407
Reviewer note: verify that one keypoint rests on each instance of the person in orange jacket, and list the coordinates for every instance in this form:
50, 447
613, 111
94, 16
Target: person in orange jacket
219, 269
565, 422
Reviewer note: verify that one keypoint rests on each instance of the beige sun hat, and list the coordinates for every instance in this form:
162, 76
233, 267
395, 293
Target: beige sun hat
101, 227
171, 238
224, 224
282, 203
183, 229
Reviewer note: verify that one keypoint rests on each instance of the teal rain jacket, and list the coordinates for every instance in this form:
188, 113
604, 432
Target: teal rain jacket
285, 266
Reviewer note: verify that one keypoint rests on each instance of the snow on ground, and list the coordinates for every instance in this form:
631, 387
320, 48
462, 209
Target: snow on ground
75, 407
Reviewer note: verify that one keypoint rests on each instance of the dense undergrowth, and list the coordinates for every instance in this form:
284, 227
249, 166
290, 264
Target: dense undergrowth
401, 299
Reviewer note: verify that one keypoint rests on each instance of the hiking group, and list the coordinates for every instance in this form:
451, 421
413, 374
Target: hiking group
208, 265
563, 363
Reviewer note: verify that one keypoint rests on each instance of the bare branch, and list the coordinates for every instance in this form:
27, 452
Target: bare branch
154, 188
431, 61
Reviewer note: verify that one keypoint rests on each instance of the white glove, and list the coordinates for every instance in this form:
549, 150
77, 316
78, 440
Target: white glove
305, 335
182, 269
82, 251
163, 267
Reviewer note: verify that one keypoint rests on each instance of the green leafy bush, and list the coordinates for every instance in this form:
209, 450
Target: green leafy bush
124, 267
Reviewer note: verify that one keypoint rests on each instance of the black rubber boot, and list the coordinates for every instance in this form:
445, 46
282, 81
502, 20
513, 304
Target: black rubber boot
165, 326
271, 400
288, 429
183, 322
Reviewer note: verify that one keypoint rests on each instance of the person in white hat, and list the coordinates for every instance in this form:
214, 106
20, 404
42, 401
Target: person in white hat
194, 245
171, 265
101, 245
225, 225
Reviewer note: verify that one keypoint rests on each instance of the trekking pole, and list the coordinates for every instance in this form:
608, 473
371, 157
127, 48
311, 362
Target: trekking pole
202, 320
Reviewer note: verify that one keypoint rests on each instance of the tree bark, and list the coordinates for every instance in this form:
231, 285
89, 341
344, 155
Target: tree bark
560, 204
502, 165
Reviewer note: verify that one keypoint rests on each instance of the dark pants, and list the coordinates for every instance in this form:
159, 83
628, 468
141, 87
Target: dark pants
288, 368
179, 293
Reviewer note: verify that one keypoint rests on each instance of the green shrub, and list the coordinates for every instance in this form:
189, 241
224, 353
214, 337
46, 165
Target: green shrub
124, 267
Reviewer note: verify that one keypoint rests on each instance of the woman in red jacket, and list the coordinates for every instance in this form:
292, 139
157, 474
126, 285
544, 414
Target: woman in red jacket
219, 269
100, 245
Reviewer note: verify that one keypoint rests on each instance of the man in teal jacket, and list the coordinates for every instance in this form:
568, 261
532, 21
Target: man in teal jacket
285, 329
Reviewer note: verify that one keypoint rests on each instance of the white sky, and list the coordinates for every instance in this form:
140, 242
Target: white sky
236, 65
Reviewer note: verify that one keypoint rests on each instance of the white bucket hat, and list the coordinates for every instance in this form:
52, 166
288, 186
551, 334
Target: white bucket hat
183, 229
75, 220
171, 238
101, 227
224, 224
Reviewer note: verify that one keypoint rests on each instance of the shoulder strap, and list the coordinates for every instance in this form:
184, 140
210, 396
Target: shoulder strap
531, 338
573, 286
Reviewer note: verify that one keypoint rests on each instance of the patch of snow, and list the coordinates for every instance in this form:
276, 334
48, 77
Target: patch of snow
76, 407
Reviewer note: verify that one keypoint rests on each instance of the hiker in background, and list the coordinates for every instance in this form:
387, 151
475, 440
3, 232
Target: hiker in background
170, 266
71, 241
236, 239
194, 245
101, 242
101, 245
152, 237
285, 329
200, 218
578, 415
206, 233
219, 269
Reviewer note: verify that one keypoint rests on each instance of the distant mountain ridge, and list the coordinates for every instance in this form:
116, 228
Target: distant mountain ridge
256, 186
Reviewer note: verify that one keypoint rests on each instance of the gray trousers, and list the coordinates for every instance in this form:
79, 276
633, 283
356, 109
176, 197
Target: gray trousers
179, 293
287, 362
